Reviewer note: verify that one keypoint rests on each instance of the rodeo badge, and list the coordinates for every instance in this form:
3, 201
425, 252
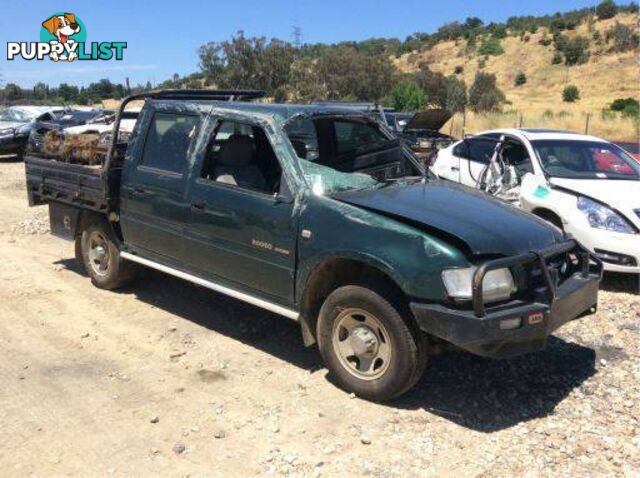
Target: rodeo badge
63, 38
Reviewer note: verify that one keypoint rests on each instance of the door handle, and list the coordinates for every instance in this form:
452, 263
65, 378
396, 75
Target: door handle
197, 207
455, 168
138, 191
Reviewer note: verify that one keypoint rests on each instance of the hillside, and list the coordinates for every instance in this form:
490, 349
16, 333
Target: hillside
606, 76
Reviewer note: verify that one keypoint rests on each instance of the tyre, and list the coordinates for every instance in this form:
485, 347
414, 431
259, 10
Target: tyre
101, 258
368, 347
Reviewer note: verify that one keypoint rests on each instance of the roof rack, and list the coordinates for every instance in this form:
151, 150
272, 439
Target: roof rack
201, 94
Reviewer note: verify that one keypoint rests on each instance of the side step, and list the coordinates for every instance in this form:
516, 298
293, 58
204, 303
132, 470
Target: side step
250, 299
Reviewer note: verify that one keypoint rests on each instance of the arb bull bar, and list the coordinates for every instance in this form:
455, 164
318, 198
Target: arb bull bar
534, 257
560, 284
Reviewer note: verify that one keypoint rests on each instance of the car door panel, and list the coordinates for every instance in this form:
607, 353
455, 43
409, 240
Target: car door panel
245, 237
154, 206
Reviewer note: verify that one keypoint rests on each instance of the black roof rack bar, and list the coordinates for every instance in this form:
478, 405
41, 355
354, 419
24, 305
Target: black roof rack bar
229, 94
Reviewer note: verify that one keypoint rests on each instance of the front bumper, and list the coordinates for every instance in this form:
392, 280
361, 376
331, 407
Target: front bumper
611, 247
483, 331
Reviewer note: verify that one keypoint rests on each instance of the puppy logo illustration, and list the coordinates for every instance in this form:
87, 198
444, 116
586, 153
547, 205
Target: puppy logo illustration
62, 27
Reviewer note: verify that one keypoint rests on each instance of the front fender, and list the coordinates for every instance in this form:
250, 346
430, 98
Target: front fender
412, 258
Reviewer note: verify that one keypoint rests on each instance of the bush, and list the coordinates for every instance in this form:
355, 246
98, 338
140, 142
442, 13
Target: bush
606, 9
570, 94
458, 70
484, 94
620, 104
624, 38
629, 107
520, 79
491, 46
557, 58
575, 49
408, 96
545, 41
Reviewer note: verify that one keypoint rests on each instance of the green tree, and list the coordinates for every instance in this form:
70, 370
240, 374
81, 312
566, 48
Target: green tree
520, 79
12, 92
491, 46
570, 94
456, 98
576, 51
606, 9
484, 94
408, 96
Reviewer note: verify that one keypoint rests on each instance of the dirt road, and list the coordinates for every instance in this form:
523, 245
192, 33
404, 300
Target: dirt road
166, 378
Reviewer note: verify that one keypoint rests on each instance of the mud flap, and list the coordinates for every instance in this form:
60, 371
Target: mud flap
63, 220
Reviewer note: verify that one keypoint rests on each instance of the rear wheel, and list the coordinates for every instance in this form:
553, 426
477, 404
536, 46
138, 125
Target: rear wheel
101, 258
369, 348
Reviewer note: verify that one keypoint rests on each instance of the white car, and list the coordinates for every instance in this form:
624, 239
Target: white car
584, 185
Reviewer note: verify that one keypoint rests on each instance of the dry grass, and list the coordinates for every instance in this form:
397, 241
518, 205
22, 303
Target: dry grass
605, 77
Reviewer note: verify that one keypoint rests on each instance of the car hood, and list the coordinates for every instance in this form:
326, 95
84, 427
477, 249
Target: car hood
621, 194
429, 119
11, 124
486, 225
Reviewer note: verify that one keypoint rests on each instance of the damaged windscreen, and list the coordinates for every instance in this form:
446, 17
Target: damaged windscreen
338, 153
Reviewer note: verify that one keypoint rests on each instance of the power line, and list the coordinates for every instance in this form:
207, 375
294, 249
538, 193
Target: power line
297, 36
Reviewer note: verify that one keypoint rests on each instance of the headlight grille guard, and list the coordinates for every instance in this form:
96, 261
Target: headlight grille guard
534, 257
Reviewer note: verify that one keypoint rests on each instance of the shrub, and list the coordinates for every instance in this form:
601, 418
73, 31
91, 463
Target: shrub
520, 79
624, 38
606, 9
408, 96
545, 41
629, 107
557, 58
575, 51
491, 46
458, 69
484, 94
570, 94
620, 104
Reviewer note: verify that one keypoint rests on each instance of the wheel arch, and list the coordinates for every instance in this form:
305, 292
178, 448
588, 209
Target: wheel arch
328, 274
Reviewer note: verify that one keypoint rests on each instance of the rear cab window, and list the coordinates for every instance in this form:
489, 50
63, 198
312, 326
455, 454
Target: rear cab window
168, 141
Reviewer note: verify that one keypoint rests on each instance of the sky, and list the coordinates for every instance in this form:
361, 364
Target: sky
163, 36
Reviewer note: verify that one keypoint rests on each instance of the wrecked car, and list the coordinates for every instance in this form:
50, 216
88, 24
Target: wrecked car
586, 186
421, 131
17, 122
321, 215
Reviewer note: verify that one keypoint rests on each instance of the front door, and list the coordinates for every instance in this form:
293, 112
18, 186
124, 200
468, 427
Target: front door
242, 226
154, 207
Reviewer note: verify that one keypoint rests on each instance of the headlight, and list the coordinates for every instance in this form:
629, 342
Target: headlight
7, 131
601, 217
497, 285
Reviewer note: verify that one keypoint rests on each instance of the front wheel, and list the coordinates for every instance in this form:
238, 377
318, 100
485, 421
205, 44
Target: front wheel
369, 348
101, 258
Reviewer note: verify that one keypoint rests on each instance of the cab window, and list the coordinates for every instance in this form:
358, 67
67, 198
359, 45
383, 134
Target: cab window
168, 140
240, 155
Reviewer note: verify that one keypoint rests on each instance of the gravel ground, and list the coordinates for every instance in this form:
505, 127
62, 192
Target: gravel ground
167, 378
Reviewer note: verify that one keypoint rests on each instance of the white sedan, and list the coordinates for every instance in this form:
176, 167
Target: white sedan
584, 185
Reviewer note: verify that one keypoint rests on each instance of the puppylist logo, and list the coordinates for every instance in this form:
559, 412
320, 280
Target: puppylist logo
63, 37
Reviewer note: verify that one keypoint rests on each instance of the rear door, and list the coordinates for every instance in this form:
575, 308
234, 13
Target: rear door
154, 208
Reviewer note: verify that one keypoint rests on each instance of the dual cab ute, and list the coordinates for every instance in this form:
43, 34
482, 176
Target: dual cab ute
320, 215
